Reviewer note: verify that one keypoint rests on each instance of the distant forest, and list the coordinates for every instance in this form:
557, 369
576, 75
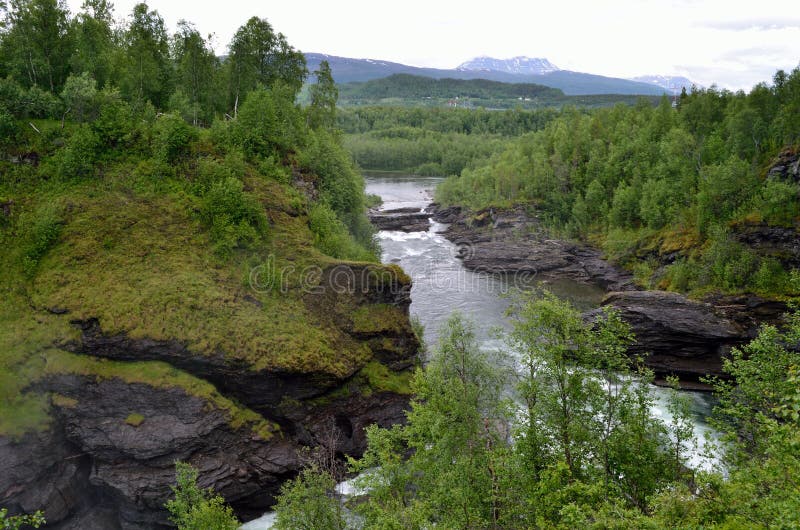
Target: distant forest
412, 90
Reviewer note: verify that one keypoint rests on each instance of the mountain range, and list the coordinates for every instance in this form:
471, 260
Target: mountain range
515, 70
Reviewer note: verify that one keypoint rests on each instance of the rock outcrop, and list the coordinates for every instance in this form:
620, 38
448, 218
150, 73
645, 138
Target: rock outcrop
106, 460
786, 166
778, 242
403, 219
513, 241
677, 336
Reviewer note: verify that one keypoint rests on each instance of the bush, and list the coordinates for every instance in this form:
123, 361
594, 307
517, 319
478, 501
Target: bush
77, 158
197, 509
726, 263
722, 189
681, 276
209, 172
658, 204
779, 202
624, 211
772, 277
269, 123
12, 97
332, 237
341, 186
338, 181
269, 167
172, 137
8, 129
234, 218
40, 104
78, 94
308, 502
42, 229
114, 123
15, 522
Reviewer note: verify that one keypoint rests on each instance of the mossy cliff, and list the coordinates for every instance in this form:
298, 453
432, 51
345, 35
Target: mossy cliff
140, 326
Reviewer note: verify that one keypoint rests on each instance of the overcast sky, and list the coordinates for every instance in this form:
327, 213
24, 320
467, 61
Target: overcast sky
733, 43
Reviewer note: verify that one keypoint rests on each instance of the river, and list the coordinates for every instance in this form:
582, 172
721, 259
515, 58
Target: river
442, 285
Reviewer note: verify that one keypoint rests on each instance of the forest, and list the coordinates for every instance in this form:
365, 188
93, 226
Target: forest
407, 90
109, 129
684, 181
432, 141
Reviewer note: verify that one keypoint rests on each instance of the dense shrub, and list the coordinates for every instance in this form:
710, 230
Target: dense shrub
172, 137
234, 218
114, 123
42, 228
8, 129
723, 188
658, 203
36, 103
79, 94
778, 202
77, 158
12, 97
269, 123
332, 237
624, 206
193, 508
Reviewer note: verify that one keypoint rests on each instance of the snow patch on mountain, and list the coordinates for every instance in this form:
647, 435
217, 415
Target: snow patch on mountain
515, 65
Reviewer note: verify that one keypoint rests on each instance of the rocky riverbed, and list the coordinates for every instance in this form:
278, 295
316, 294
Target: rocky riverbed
676, 335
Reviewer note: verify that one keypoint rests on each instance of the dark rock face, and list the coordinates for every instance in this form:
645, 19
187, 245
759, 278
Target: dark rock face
403, 219
107, 460
748, 311
133, 463
787, 166
43, 469
514, 242
775, 241
679, 336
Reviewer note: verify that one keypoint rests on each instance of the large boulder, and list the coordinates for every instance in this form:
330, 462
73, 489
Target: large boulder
677, 336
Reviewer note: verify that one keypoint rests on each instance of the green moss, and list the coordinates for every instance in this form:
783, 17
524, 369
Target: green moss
378, 318
134, 419
380, 379
62, 401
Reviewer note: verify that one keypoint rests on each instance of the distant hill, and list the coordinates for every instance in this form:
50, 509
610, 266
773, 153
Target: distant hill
672, 84
348, 70
414, 90
413, 86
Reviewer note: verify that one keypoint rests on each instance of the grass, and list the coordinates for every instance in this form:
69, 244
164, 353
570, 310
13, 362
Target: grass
131, 251
134, 419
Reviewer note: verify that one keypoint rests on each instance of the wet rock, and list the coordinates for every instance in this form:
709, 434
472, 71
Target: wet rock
403, 219
107, 460
442, 214
749, 311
